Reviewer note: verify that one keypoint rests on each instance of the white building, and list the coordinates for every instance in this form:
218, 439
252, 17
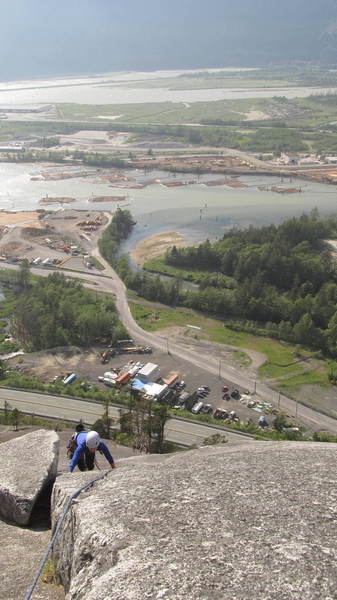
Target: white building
150, 372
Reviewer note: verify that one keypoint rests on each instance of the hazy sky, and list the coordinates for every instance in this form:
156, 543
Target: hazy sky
44, 38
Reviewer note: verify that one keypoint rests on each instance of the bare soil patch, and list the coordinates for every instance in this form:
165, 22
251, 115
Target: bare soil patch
19, 218
257, 115
47, 364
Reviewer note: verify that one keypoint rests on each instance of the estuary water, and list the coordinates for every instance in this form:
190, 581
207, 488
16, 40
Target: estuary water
194, 210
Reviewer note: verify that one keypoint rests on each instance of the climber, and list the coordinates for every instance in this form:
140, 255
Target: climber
84, 454
71, 446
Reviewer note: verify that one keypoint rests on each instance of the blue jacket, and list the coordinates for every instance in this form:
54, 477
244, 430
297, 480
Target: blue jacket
81, 439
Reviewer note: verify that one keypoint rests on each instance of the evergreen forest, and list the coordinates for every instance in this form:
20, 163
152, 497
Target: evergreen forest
118, 230
279, 281
55, 311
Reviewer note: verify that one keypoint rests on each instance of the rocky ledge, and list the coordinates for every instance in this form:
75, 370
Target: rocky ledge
257, 521
28, 464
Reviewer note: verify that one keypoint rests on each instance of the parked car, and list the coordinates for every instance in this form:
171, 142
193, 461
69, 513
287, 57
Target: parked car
207, 409
225, 388
179, 385
232, 416
196, 408
226, 397
235, 394
220, 413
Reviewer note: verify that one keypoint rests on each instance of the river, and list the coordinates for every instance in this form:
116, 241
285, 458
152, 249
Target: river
117, 88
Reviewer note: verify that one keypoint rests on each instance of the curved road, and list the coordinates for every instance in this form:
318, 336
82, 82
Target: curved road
108, 281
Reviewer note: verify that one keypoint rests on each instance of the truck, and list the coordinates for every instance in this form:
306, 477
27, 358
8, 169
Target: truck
135, 349
122, 379
69, 379
124, 342
108, 381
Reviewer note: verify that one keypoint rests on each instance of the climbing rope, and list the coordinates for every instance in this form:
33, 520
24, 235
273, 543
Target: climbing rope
30, 591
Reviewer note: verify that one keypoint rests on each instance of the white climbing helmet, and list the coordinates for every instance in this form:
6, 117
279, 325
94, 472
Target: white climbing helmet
93, 439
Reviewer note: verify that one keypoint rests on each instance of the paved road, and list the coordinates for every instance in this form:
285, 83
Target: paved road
109, 281
177, 430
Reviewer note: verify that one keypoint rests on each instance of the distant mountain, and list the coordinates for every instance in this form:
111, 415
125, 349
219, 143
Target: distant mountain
80, 36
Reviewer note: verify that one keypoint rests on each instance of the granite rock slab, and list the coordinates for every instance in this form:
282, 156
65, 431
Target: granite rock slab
218, 523
27, 465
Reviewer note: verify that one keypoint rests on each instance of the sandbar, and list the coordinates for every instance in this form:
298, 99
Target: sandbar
156, 245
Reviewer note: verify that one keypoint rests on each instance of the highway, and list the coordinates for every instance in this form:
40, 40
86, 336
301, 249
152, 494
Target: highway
177, 430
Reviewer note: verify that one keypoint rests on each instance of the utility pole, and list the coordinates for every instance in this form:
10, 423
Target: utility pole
219, 368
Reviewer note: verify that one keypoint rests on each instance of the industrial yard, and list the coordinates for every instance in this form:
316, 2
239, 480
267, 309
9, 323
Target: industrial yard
62, 238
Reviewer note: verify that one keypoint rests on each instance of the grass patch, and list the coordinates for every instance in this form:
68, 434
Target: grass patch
158, 265
314, 377
241, 358
7, 306
281, 362
8, 347
152, 318
49, 573
32, 420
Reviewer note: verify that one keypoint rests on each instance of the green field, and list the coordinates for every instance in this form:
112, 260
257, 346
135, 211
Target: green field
284, 366
158, 265
258, 125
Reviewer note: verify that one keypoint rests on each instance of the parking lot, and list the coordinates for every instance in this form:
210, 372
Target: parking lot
87, 364
202, 386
